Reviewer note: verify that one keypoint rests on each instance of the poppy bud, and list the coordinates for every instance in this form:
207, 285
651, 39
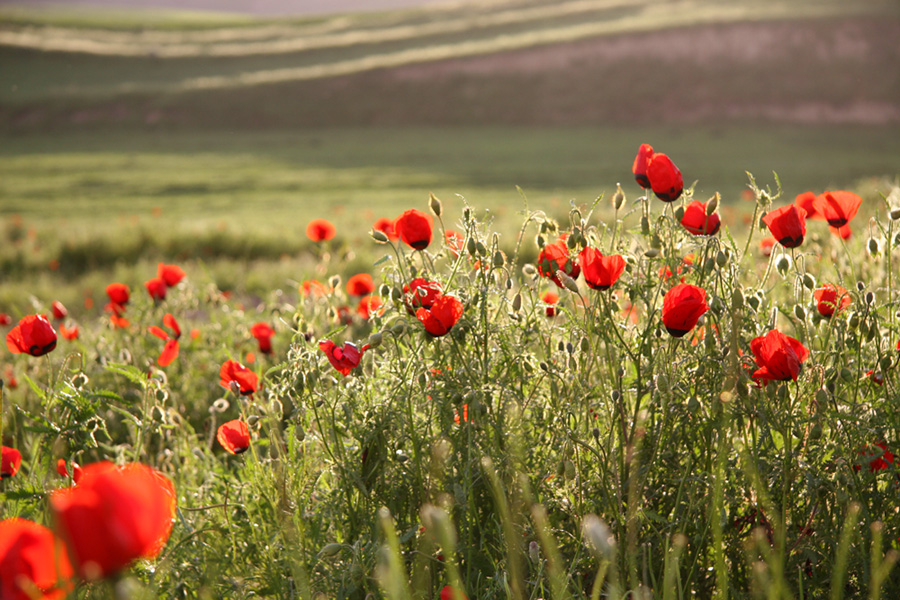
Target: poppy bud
596, 433
330, 550
809, 282
299, 433
662, 383
652, 253
434, 204
679, 214
870, 298
569, 470
480, 248
737, 299
585, 345
529, 270
895, 214
721, 258
710, 265
655, 241
567, 281
712, 204
398, 328
517, 302
618, 198
860, 286
379, 236
853, 320
799, 312
471, 246
645, 225
873, 246
885, 362
783, 264
754, 301
375, 339
499, 259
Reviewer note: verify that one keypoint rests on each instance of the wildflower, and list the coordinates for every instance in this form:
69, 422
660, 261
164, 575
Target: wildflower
5, 320
320, 230
844, 232
442, 316
156, 287
765, 245
451, 593
665, 178
455, 241
243, 378
33, 335
414, 228
641, 161
368, 306
807, 201
70, 333
696, 221
831, 299
877, 455
33, 562
59, 310
778, 356
683, 306
386, 226
550, 299
170, 350
119, 295
787, 224
170, 274
313, 287
234, 436
600, 272
343, 358
874, 377
115, 515
62, 469
263, 333
360, 285
555, 257
421, 293
10, 461
838, 208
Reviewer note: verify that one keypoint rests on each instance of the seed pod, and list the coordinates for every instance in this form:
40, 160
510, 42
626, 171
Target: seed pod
737, 299
713, 204
434, 204
894, 214
809, 282
800, 312
517, 302
721, 258
471, 246
379, 236
783, 264
645, 225
480, 248
618, 198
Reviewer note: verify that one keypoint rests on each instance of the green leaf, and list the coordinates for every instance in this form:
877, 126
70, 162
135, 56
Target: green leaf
133, 374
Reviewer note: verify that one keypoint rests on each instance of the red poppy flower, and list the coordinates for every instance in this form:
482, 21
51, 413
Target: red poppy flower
118, 297
33, 335
10, 461
33, 562
320, 230
368, 306
778, 356
550, 299
386, 226
313, 287
5, 320
421, 293
830, 299
119, 322
683, 306
263, 333
450, 593
442, 315
455, 241
170, 274
641, 162
686, 263
59, 310
876, 378
766, 244
244, 378
696, 221
70, 333
360, 285
343, 358
877, 455
170, 350
600, 272
10, 377
787, 224
234, 436
807, 201
555, 257
665, 178
115, 515
839, 207
414, 228
63, 470
156, 287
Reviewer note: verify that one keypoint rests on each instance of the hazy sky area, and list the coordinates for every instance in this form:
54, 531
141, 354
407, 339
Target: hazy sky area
252, 7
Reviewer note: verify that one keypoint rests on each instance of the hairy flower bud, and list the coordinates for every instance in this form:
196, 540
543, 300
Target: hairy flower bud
567, 281
809, 282
379, 236
434, 204
618, 198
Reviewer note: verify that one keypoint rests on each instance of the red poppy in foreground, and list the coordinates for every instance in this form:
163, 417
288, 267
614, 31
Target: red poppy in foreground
360, 284
442, 316
59, 310
665, 178
114, 516
451, 593
263, 333
839, 207
787, 224
236, 373
10, 460
414, 227
696, 221
343, 358
320, 230
600, 272
157, 288
33, 562
550, 299
555, 257
878, 456
641, 161
831, 299
234, 436
778, 356
386, 226
421, 293
170, 274
33, 335
683, 306
63, 470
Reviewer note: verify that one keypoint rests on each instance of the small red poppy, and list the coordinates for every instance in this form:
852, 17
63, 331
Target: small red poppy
641, 162
386, 226
69, 333
10, 461
343, 358
450, 593
360, 284
170, 350
874, 377
59, 310
455, 242
5, 320
63, 470
414, 227
807, 201
778, 356
368, 306
234, 436
33, 335
838, 207
555, 257
665, 178
831, 299
320, 230
683, 306
157, 288
696, 221
787, 224
119, 295
313, 287
442, 316
234, 372
600, 272
263, 333
877, 455
550, 299
421, 293
115, 515
170, 274
766, 244
33, 562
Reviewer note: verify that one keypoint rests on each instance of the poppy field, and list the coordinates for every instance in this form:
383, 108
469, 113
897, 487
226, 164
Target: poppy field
637, 397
